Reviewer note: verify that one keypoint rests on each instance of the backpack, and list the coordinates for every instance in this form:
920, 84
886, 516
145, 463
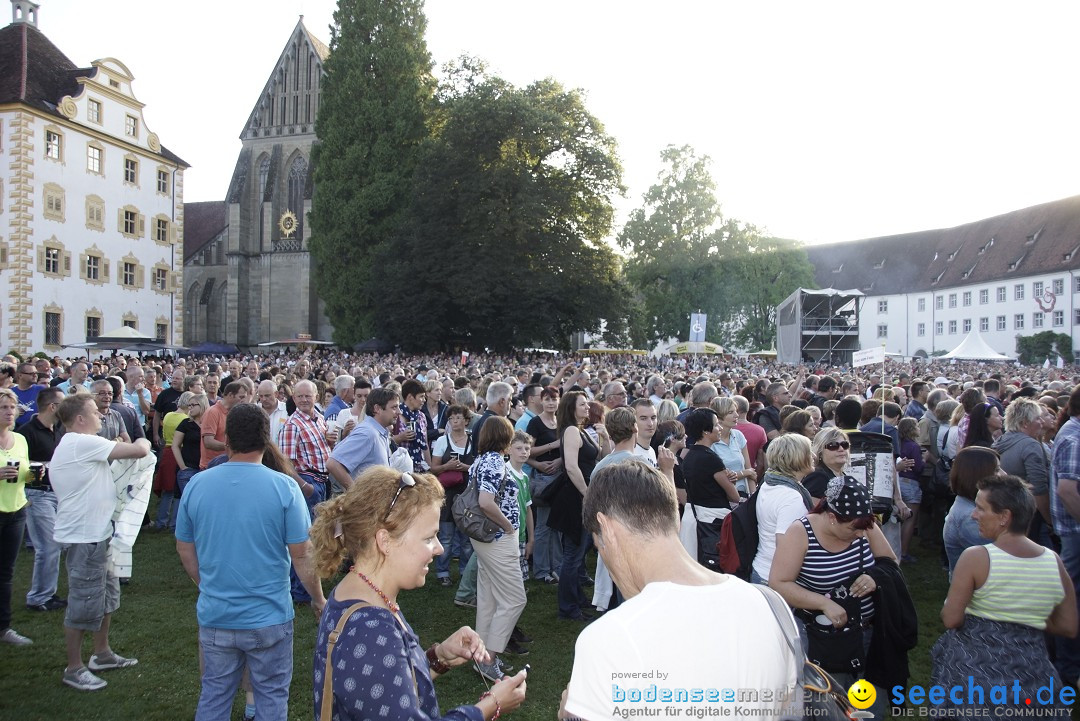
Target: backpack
739, 539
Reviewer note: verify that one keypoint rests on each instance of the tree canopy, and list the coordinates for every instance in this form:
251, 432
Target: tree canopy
372, 120
685, 256
510, 208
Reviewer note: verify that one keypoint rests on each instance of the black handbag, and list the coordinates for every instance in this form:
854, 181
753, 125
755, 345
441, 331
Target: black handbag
942, 467
547, 495
468, 515
838, 650
708, 541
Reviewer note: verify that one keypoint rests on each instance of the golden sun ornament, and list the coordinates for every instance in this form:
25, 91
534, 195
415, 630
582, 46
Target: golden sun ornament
287, 223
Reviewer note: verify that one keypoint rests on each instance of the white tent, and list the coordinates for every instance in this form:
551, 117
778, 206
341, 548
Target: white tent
973, 347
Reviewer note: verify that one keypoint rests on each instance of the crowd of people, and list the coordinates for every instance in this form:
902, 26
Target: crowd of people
349, 467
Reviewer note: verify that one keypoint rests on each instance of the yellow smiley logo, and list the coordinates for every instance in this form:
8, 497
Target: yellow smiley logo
862, 694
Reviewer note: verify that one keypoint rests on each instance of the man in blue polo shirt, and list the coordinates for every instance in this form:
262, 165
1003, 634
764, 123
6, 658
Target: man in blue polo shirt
240, 527
369, 443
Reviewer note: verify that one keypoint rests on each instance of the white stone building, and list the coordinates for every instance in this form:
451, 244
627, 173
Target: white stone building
1011, 275
91, 203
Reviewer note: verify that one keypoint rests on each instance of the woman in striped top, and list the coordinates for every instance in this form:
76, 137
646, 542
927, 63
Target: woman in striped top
821, 564
1003, 596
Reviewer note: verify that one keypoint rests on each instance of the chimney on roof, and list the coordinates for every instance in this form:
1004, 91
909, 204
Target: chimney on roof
24, 11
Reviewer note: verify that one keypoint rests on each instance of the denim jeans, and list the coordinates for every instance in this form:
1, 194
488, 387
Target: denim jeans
40, 519
268, 654
11, 540
454, 543
547, 546
1068, 649
166, 514
571, 595
466, 590
299, 593
183, 477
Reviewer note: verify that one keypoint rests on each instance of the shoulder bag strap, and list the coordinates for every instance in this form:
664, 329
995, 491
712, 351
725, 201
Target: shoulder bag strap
783, 618
327, 711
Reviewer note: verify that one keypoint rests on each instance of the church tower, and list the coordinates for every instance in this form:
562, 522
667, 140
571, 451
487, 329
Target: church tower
260, 289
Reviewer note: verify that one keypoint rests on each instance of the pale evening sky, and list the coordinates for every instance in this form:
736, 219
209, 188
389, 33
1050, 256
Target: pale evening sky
825, 120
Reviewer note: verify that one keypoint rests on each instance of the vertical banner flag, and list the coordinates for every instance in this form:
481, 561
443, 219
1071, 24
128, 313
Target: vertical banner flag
697, 327
464, 357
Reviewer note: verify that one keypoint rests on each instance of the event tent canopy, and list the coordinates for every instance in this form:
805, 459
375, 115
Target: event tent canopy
973, 347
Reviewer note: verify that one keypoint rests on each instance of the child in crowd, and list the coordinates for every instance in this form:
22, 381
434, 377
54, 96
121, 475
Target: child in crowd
519, 454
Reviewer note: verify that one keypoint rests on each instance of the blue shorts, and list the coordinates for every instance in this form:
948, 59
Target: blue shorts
910, 491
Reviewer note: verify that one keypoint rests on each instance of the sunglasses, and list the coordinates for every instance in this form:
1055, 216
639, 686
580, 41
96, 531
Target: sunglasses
406, 481
837, 445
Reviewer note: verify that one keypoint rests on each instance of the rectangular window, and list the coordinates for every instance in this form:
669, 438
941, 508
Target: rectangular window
52, 328
93, 326
161, 330
161, 230
129, 324
131, 171
1076, 284
1059, 286
1059, 318
967, 325
1001, 322
93, 267
1018, 319
984, 296
1037, 320
952, 327
161, 278
129, 274
984, 324
1037, 288
1001, 294
93, 111
131, 126
922, 330
882, 330
939, 302
883, 306
1018, 291
162, 181
952, 300
53, 145
922, 305
938, 328
1076, 316
93, 159
966, 300
130, 222
52, 261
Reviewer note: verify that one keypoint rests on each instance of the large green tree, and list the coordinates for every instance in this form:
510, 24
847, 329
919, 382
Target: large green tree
372, 121
685, 256
510, 209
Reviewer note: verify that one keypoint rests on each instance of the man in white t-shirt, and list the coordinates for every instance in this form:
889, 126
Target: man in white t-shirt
640, 654
85, 502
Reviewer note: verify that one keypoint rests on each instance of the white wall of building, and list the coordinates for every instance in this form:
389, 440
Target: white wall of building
938, 320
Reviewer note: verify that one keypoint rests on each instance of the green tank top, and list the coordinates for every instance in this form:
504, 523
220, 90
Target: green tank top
1018, 590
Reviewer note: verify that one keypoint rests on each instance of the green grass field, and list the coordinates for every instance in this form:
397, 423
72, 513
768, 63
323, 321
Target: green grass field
156, 624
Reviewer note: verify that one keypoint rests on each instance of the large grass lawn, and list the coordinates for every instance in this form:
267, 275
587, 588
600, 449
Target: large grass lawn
156, 623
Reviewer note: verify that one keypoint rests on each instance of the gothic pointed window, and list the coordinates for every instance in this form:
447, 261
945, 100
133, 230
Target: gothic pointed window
297, 180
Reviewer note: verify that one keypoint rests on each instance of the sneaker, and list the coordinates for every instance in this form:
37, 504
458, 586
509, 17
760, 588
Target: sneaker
520, 636
15, 638
551, 579
445, 582
465, 603
111, 660
82, 679
516, 649
908, 558
490, 671
52, 604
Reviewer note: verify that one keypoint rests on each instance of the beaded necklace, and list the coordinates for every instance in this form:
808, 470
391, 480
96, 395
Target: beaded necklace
394, 608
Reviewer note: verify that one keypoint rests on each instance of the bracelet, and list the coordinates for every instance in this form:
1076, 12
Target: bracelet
437, 664
498, 708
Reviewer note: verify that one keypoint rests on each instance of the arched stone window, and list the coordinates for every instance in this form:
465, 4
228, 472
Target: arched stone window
297, 180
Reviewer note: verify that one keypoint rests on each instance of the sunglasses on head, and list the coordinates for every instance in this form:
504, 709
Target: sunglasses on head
406, 481
837, 445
